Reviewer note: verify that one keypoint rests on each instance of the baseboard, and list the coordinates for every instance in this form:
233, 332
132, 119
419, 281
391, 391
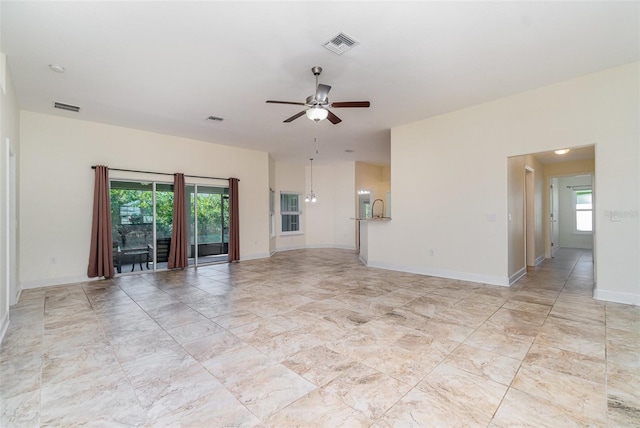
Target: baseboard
363, 260
50, 282
283, 249
516, 276
443, 273
256, 256
5, 326
540, 260
314, 247
18, 294
616, 297
337, 247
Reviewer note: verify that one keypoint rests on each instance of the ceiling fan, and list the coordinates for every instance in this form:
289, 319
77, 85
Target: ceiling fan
317, 103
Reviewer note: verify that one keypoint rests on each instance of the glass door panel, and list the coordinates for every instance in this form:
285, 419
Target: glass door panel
132, 225
212, 223
191, 223
164, 223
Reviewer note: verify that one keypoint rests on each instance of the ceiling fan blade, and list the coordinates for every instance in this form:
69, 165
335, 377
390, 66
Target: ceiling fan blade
322, 93
284, 102
351, 104
333, 118
295, 116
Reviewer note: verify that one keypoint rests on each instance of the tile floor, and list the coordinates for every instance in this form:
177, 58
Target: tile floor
314, 338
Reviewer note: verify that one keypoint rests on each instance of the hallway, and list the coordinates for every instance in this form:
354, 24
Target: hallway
314, 338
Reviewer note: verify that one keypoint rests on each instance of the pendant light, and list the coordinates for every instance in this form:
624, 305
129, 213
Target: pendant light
312, 197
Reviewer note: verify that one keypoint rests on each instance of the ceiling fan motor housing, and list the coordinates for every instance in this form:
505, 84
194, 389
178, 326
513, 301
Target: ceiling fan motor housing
312, 101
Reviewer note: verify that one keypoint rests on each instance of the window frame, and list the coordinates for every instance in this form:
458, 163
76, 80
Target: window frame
294, 213
272, 213
577, 210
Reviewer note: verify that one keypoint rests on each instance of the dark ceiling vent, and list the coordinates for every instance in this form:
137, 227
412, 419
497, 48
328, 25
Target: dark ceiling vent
340, 43
68, 107
215, 118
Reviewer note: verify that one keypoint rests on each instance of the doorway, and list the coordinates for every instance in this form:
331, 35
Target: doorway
529, 218
11, 226
571, 207
554, 214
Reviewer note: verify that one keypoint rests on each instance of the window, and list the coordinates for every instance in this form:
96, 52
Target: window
584, 210
290, 211
272, 213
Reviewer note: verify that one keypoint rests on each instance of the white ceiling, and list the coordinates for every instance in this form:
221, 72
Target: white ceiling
167, 66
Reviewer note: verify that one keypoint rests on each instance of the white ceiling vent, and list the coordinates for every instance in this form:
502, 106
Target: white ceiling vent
67, 107
340, 43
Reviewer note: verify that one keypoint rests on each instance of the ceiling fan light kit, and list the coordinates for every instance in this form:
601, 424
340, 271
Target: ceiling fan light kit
318, 103
317, 114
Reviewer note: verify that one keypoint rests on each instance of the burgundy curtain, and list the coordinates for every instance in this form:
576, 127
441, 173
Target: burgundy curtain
178, 250
101, 251
234, 221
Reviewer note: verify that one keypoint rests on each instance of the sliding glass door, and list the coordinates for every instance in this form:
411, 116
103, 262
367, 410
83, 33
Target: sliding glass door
142, 222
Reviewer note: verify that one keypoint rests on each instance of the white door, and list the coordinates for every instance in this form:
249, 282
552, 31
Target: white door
554, 214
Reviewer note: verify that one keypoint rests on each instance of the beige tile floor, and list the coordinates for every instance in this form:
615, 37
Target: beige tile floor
314, 338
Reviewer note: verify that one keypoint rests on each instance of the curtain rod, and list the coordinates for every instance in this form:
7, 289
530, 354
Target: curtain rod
162, 173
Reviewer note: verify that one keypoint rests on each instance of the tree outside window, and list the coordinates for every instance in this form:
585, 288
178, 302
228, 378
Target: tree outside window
290, 211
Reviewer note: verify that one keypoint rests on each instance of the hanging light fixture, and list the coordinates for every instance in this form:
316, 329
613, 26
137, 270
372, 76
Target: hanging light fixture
311, 197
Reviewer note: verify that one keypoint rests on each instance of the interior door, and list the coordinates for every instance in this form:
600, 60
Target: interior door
554, 216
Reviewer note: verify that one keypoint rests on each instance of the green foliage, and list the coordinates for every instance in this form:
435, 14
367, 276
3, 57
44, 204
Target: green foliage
132, 216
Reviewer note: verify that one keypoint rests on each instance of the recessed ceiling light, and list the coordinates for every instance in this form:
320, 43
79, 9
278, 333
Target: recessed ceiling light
57, 68
561, 152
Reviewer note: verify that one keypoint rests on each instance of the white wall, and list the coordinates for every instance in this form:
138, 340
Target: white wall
290, 177
343, 181
449, 177
566, 222
9, 145
56, 187
326, 223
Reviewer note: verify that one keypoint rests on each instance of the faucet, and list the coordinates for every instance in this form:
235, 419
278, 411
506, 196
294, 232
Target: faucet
373, 206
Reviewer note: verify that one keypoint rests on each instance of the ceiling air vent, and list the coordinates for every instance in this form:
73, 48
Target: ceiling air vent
68, 107
340, 43
215, 118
